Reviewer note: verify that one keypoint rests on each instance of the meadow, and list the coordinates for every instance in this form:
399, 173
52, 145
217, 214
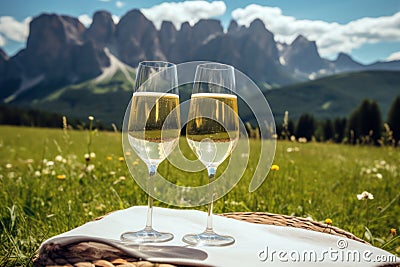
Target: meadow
52, 180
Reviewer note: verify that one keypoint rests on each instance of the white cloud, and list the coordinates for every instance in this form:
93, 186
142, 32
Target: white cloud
14, 30
85, 19
104, 0
331, 37
180, 12
394, 56
2, 40
119, 4
115, 19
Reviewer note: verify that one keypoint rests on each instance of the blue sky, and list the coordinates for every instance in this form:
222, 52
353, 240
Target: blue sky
369, 30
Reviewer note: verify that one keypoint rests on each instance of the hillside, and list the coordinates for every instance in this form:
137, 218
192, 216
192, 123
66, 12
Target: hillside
335, 96
330, 97
105, 99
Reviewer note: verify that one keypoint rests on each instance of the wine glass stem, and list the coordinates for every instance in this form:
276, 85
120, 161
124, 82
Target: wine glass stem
211, 173
149, 222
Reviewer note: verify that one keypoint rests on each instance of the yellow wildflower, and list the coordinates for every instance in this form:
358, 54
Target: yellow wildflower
121, 159
109, 158
61, 176
136, 162
275, 167
328, 221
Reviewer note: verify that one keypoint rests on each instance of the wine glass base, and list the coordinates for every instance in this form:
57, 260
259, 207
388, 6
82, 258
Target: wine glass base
208, 238
146, 236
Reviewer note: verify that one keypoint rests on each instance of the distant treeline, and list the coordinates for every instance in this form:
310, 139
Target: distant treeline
10, 115
363, 126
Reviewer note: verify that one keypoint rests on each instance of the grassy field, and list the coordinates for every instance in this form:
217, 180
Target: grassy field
47, 186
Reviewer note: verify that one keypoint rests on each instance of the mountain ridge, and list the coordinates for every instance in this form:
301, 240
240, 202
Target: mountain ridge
81, 71
61, 51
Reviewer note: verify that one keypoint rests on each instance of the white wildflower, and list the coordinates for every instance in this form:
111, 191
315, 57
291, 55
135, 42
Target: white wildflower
37, 173
292, 149
50, 163
58, 158
365, 195
92, 155
90, 168
8, 165
91, 118
302, 140
379, 175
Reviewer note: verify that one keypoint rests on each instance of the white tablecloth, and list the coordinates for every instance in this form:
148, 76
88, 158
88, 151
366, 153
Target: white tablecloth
256, 244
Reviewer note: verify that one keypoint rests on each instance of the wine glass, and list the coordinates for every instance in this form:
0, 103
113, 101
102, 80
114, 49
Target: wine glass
212, 132
153, 130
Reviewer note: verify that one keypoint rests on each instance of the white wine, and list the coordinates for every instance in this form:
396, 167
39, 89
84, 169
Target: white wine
214, 130
151, 133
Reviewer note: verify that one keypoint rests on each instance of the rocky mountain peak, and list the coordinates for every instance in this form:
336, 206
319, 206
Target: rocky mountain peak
3, 55
167, 26
185, 27
257, 25
233, 26
134, 23
167, 36
258, 31
345, 62
137, 39
303, 55
52, 30
300, 40
102, 28
344, 58
208, 26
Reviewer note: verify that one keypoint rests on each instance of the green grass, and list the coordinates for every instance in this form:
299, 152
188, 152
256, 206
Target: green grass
40, 199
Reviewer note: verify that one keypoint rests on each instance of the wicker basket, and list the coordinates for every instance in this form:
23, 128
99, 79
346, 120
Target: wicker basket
96, 254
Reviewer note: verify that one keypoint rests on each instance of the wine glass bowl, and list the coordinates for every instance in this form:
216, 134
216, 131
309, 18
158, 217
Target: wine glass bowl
153, 130
212, 132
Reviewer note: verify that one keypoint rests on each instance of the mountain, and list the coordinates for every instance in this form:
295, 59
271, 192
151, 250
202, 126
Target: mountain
345, 63
302, 55
56, 55
336, 95
328, 97
62, 56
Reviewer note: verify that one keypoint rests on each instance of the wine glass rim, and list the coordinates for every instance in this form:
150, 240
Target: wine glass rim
215, 66
157, 64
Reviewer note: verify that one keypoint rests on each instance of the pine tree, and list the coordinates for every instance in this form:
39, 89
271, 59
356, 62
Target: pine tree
305, 127
327, 128
339, 125
394, 120
365, 123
